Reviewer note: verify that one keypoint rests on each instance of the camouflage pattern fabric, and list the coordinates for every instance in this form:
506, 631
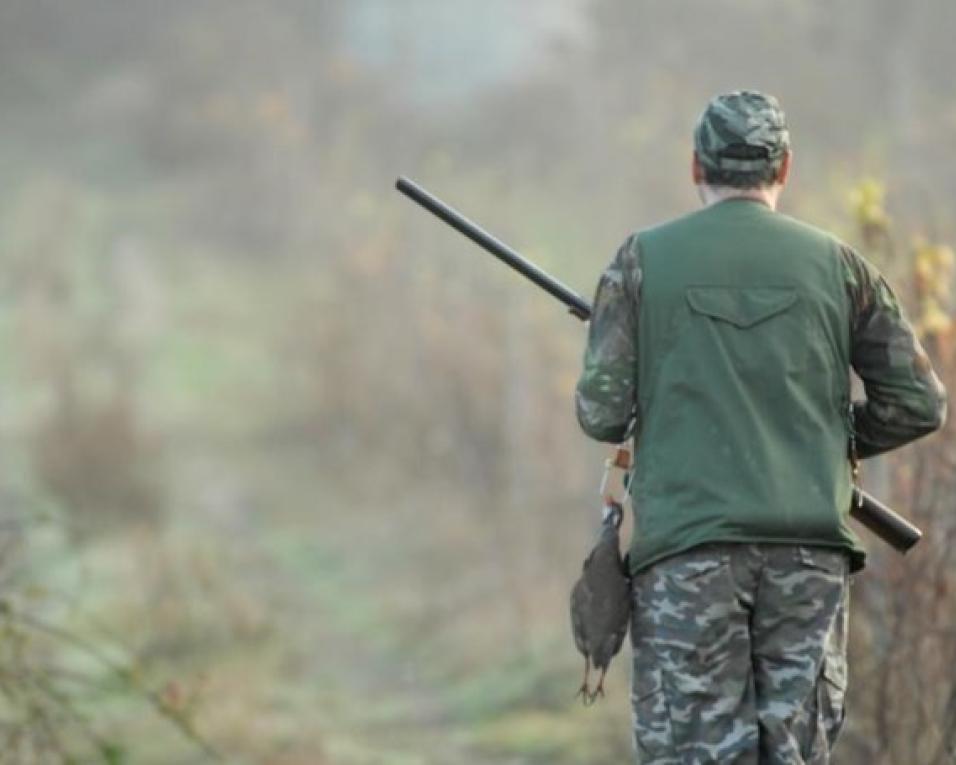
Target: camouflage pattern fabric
892, 364
740, 656
905, 398
744, 118
606, 395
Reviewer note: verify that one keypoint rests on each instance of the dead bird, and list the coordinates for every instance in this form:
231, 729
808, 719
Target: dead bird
601, 602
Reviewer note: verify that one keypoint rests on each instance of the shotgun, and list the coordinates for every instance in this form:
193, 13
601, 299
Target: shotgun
888, 525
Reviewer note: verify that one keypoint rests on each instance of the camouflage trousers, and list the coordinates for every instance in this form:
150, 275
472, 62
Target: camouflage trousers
740, 656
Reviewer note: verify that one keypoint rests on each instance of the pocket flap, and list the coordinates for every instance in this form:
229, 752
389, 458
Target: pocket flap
834, 671
741, 306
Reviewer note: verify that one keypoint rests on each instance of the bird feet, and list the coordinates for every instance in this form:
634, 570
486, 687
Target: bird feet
587, 698
599, 688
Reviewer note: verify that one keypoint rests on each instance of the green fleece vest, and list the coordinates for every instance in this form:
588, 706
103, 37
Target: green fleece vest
743, 378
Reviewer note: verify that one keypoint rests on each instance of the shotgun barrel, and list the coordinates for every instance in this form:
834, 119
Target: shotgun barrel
575, 303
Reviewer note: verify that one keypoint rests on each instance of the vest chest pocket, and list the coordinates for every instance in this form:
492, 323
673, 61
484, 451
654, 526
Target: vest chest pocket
755, 328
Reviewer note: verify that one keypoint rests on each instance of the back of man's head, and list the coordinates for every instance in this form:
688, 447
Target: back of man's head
741, 140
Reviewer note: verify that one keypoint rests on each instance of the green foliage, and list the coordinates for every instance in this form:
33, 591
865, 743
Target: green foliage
55, 685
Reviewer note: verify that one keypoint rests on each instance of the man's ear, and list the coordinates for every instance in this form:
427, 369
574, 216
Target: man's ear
696, 171
784, 172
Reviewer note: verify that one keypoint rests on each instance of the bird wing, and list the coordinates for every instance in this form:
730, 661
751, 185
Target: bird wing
582, 599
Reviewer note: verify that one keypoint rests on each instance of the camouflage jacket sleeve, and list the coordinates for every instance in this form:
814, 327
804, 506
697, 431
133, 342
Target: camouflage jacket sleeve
606, 395
904, 397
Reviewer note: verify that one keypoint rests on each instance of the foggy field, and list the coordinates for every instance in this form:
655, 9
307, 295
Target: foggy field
290, 471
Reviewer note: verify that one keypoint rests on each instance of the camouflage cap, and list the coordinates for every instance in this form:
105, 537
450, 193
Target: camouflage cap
741, 131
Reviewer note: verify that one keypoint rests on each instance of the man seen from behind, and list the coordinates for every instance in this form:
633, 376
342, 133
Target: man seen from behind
722, 342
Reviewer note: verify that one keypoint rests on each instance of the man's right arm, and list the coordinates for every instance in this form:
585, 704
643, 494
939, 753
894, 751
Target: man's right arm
904, 397
606, 394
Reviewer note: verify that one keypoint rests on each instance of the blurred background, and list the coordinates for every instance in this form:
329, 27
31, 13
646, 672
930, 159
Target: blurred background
290, 472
